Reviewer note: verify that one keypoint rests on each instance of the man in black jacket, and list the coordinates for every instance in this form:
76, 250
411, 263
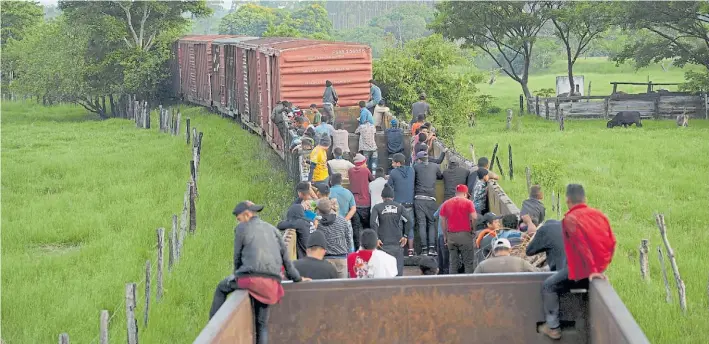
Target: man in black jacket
314, 265
453, 176
295, 219
425, 201
549, 239
395, 141
388, 221
259, 254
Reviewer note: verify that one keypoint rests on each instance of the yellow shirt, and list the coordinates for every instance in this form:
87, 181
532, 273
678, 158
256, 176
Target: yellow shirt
318, 156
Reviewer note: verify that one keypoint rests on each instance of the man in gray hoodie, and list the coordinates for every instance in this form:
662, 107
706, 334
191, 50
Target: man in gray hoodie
338, 235
259, 254
329, 99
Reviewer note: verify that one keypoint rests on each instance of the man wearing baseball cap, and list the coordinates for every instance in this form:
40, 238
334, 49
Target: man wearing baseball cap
360, 176
456, 216
503, 262
401, 179
259, 254
486, 237
314, 265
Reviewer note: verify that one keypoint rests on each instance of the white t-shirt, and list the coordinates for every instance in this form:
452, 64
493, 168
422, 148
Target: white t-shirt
382, 265
340, 166
341, 139
375, 190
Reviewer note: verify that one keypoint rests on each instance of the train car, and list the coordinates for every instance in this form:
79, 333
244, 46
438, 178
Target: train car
195, 68
252, 74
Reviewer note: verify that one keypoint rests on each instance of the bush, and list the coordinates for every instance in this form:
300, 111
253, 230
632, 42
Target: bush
548, 173
423, 65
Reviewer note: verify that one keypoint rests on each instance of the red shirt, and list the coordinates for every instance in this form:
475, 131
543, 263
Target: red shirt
588, 241
457, 212
266, 290
357, 263
360, 176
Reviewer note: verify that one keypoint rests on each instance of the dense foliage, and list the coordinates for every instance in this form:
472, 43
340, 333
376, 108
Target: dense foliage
307, 20
423, 65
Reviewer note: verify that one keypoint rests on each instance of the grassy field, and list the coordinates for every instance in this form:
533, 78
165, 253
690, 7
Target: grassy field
81, 200
629, 174
598, 70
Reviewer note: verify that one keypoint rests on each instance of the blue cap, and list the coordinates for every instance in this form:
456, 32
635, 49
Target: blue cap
394, 122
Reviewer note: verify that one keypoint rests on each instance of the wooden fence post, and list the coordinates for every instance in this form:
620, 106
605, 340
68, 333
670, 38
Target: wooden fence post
556, 108
521, 104
499, 166
131, 321
193, 208
668, 293
64, 338
172, 243
177, 126
546, 108
161, 244
492, 161
187, 130
553, 200
147, 292
161, 120
528, 174
146, 116
103, 327
644, 269
589, 92
193, 174
660, 220
183, 221
558, 204
561, 120
606, 106
194, 137
536, 108
509, 148
472, 154
199, 152
509, 119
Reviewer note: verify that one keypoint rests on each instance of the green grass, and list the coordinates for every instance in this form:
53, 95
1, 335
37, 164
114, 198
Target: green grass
629, 174
81, 200
598, 70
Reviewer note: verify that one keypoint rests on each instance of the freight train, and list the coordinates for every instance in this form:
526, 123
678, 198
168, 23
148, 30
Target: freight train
244, 77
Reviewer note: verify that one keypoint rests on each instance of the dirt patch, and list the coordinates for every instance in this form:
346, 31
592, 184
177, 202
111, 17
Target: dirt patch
57, 248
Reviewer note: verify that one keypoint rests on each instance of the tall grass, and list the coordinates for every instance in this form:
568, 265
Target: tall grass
629, 174
81, 200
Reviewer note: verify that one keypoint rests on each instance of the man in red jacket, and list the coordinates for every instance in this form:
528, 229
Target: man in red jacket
589, 244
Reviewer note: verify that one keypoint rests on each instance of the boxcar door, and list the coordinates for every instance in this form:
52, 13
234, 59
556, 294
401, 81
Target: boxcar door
252, 82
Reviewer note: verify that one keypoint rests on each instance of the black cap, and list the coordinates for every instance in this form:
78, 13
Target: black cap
387, 191
246, 205
317, 238
323, 189
398, 157
489, 217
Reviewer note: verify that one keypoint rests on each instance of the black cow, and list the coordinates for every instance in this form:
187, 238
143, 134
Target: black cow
625, 118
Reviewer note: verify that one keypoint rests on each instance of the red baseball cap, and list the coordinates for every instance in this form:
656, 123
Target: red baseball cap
461, 188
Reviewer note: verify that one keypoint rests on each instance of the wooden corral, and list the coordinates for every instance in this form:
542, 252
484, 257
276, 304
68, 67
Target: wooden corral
650, 105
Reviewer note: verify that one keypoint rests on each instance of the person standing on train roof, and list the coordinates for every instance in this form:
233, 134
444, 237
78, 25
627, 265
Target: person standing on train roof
259, 254
368, 144
319, 169
329, 99
364, 114
589, 244
420, 108
375, 95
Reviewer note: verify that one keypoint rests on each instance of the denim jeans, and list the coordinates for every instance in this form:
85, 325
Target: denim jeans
409, 225
553, 286
261, 310
443, 257
372, 157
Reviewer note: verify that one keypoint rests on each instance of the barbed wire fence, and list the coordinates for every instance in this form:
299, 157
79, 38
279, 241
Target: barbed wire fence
169, 122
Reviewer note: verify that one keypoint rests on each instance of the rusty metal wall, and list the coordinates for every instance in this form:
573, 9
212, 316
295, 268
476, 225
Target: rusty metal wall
609, 320
441, 309
233, 323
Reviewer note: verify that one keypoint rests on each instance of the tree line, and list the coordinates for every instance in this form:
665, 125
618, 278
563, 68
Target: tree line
96, 53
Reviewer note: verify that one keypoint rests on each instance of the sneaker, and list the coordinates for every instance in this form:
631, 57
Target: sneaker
432, 251
553, 333
411, 252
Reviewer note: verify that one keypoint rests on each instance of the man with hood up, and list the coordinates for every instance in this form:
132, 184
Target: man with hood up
401, 179
338, 235
295, 218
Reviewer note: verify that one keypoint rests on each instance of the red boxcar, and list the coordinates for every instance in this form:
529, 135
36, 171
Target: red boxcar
248, 75
194, 56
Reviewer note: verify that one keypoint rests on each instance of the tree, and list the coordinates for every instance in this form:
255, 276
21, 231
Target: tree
375, 37
506, 31
17, 16
667, 30
423, 65
577, 25
307, 21
405, 22
210, 25
249, 20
